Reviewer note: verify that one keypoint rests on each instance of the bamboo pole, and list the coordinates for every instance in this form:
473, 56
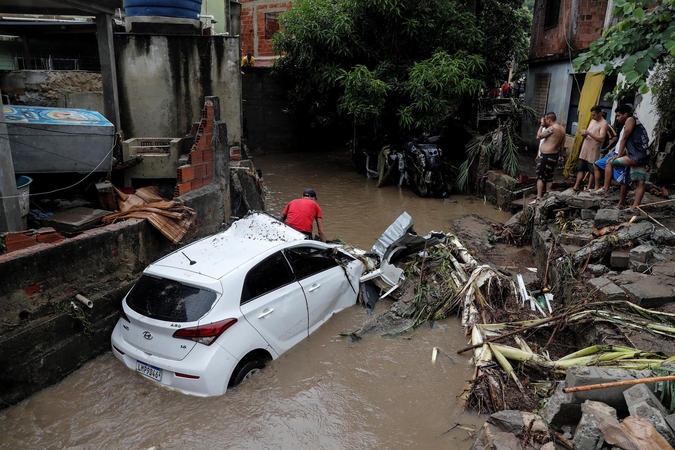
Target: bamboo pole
658, 203
591, 387
511, 333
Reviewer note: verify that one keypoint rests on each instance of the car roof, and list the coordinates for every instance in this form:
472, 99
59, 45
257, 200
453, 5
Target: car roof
217, 255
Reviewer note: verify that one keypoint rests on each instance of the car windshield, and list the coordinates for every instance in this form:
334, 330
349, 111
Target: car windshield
162, 299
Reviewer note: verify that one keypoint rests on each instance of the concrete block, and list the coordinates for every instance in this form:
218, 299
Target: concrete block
639, 267
596, 269
663, 237
627, 277
500, 179
664, 268
607, 217
619, 259
641, 393
576, 239
504, 430
75, 220
583, 376
582, 202
606, 290
588, 435
570, 248
587, 214
652, 291
641, 253
670, 420
559, 411
654, 415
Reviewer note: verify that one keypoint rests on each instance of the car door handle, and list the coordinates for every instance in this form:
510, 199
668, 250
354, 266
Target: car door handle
266, 312
314, 287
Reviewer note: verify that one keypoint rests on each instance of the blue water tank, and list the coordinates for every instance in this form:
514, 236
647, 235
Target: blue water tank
183, 9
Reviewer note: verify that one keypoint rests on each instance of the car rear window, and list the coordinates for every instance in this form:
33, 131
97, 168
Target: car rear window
162, 299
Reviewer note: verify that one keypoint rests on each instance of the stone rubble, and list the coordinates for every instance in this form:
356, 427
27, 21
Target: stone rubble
614, 255
583, 419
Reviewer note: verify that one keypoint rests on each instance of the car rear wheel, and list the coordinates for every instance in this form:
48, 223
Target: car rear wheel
245, 370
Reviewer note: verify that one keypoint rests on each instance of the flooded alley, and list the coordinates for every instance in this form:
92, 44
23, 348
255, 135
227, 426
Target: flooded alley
325, 393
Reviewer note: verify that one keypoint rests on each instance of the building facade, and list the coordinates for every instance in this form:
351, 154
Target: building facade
259, 22
561, 30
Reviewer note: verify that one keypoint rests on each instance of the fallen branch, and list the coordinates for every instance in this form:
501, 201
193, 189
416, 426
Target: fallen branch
511, 333
591, 387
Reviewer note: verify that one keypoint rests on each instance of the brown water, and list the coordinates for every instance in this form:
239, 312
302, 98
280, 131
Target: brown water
325, 393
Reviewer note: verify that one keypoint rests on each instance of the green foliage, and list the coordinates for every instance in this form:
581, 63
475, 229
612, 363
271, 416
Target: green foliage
641, 39
76, 312
400, 65
499, 146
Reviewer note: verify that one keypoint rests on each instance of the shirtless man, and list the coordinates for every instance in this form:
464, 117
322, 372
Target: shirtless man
594, 135
551, 150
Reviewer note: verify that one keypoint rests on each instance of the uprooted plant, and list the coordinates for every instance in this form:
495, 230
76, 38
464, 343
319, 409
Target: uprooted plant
498, 147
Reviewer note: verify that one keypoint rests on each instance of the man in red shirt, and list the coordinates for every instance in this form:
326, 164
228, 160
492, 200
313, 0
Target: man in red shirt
302, 212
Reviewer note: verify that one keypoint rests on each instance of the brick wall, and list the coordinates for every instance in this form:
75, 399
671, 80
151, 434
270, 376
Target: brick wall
198, 171
587, 26
590, 22
253, 26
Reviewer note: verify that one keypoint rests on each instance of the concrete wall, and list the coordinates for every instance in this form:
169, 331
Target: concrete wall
268, 127
163, 80
41, 339
48, 88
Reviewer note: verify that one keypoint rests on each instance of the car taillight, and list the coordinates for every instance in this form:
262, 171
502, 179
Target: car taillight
205, 334
123, 315
118, 350
185, 375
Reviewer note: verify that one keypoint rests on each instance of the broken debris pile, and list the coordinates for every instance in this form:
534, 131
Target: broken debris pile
170, 217
592, 410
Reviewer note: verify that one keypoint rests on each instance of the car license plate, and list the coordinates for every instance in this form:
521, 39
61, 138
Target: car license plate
149, 371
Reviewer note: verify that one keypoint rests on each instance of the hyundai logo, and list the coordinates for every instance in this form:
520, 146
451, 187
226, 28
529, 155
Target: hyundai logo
147, 335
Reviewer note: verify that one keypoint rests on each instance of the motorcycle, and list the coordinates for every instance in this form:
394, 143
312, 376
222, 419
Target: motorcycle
424, 167
416, 162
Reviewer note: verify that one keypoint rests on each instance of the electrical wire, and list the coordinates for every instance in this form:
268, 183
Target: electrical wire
72, 185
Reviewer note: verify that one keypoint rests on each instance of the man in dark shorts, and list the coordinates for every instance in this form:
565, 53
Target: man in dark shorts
301, 214
551, 150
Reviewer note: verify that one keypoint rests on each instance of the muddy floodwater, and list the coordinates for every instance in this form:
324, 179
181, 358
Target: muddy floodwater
325, 393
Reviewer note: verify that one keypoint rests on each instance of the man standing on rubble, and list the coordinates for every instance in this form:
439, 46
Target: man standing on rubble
632, 157
594, 135
301, 214
551, 150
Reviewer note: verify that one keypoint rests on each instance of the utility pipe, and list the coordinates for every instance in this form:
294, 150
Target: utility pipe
84, 300
591, 387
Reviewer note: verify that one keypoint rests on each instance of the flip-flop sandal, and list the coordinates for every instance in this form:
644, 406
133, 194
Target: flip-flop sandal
599, 192
632, 211
533, 202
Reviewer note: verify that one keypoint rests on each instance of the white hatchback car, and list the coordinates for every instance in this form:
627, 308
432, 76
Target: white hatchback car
210, 314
